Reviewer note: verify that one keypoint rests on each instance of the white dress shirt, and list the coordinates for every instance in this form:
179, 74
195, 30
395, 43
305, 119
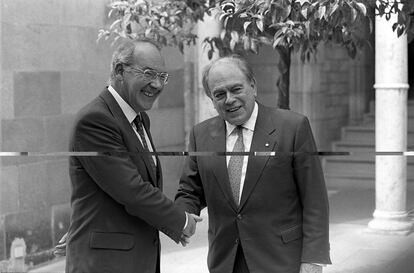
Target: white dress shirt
130, 114
248, 130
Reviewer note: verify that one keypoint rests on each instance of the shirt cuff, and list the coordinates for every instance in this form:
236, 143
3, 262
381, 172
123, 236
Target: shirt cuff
186, 221
323, 265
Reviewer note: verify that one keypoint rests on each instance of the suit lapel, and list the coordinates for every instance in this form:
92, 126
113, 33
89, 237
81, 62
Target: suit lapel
218, 163
131, 136
264, 140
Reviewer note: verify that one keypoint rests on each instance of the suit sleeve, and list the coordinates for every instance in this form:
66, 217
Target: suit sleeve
190, 194
313, 195
119, 177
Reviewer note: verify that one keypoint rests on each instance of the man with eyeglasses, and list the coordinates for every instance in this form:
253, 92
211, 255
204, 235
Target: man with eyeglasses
117, 202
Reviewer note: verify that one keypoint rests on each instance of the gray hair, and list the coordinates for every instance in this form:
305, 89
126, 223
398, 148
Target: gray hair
234, 58
124, 53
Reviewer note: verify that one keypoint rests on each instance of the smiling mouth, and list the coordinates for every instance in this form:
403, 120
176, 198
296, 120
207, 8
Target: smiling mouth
233, 109
150, 93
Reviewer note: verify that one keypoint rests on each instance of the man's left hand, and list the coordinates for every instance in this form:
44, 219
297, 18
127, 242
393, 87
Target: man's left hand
310, 268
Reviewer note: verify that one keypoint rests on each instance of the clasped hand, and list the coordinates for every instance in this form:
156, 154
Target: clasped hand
190, 229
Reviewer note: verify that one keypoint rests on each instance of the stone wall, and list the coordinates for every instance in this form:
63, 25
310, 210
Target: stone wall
333, 90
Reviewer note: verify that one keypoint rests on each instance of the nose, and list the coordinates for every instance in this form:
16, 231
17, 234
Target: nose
157, 83
229, 98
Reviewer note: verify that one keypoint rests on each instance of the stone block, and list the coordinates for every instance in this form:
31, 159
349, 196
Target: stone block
23, 135
174, 60
72, 12
9, 190
31, 12
93, 57
305, 77
36, 93
266, 78
337, 77
173, 94
167, 126
296, 102
6, 95
35, 51
339, 88
268, 99
266, 56
80, 87
57, 180
57, 132
33, 186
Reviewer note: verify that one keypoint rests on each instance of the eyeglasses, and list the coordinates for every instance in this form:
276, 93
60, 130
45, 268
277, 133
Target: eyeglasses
150, 74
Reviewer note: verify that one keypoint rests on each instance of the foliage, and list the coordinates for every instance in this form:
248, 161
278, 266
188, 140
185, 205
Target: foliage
248, 24
169, 22
297, 24
403, 9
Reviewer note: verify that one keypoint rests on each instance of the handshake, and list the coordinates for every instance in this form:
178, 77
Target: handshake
189, 228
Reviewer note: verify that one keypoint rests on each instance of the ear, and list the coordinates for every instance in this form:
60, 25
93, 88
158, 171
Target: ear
119, 72
254, 86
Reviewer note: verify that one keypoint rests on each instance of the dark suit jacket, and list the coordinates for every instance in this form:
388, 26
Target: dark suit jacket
282, 219
117, 203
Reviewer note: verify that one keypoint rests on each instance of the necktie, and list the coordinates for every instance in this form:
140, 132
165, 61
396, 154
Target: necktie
140, 129
236, 164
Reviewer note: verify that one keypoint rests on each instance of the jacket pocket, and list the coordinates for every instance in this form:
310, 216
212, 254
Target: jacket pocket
111, 240
291, 234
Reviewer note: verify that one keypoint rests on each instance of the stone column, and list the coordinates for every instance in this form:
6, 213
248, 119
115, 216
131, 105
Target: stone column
198, 106
391, 87
210, 27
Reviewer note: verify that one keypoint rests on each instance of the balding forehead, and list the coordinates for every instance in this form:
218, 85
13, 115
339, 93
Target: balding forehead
147, 54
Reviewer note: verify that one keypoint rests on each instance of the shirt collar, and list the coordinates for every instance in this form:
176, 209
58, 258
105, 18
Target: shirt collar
129, 113
249, 124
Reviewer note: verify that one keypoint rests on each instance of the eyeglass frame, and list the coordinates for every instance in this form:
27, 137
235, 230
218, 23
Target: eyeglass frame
157, 74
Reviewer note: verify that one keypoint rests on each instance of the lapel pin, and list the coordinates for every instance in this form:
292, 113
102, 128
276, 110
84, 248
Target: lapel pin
267, 144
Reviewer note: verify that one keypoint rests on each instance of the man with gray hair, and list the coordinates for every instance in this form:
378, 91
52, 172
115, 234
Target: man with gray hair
117, 202
268, 211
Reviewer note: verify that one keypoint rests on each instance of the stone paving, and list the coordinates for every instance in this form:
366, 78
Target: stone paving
353, 249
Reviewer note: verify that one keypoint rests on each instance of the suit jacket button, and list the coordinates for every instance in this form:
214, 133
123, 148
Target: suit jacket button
237, 241
239, 216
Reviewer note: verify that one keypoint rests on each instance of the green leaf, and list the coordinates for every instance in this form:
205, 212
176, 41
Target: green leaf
246, 42
232, 44
304, 12
259, 24
115, 23
234, 36
361, 7
354, 14
245, 25
302, 2
400, 31
321, 12
333, 8
277, 41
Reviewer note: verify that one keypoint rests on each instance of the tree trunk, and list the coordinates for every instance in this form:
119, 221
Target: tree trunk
283, 81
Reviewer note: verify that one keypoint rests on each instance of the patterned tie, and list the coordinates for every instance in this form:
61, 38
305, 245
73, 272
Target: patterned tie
140, 129
236, 164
